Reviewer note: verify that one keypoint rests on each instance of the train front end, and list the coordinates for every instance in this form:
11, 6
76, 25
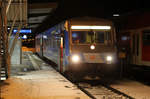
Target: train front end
92, 48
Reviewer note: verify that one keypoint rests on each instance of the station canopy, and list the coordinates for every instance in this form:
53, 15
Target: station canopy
38, 11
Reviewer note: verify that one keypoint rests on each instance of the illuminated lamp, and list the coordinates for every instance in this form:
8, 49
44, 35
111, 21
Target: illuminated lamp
91, 27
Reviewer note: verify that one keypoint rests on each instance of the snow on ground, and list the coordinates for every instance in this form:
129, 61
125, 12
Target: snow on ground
43, 82
133, 88
39, 84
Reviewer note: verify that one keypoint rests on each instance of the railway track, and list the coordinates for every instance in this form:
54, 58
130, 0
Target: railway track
97, 89
101, 91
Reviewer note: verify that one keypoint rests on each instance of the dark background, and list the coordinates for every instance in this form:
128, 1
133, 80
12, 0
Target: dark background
97, 8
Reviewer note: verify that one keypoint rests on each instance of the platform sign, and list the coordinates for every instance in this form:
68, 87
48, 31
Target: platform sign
22, 31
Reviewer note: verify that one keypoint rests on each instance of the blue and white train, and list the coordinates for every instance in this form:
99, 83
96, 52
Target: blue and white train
80, 46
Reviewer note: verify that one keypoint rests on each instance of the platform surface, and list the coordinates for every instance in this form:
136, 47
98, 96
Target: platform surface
132, 88
41, 82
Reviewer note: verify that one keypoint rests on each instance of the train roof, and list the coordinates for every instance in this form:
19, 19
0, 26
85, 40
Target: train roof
90, 21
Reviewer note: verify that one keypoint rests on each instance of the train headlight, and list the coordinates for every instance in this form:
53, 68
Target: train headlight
92, 47
75, 58
109, 58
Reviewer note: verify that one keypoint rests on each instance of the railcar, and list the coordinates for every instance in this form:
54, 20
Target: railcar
135, 38
81, 46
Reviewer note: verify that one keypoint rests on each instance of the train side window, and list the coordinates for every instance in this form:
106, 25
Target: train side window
146, 37
137, 53
134, 44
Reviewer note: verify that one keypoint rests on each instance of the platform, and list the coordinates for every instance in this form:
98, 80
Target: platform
34, 79
132, 88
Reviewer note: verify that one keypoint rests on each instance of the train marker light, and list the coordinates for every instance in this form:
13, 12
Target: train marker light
75, 58
91, 27
92, 47
109, 58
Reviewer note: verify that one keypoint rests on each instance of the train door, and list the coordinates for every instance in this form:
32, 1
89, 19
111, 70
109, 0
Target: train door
146, 45
135, 48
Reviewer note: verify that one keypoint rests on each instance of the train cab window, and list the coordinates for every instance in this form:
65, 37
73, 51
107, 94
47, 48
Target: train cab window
146, 37
64, 41
79, 36
99, 37
87, 37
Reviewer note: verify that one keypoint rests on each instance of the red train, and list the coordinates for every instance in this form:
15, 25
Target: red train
134, 39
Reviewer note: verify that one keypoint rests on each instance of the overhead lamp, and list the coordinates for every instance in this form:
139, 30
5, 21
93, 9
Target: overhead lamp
24, 37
